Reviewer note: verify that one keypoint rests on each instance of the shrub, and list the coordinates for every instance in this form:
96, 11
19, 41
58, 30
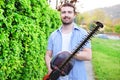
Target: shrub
117, 28
24, 28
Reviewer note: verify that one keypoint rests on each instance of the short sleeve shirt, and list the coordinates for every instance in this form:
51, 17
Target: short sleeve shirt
78, 71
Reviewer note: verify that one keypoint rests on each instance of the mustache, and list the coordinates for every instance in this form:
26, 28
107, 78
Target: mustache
66, 17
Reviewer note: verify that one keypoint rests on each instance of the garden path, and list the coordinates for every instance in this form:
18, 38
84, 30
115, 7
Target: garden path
89, 70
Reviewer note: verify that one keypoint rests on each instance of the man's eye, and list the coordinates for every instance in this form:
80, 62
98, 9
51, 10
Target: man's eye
63, 12
70, 12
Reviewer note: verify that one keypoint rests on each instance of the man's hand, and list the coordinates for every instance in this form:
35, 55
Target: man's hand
49, 71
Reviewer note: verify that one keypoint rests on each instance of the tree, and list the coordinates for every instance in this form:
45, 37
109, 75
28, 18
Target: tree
97, 15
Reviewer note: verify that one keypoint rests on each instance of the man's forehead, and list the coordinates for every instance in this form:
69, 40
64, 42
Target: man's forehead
67, 8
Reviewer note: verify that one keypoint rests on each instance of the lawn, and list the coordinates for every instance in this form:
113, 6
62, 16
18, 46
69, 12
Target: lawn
106, 59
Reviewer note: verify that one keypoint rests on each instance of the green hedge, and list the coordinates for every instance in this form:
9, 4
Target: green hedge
24, 29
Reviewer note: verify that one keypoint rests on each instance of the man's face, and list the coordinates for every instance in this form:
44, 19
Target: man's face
67, 15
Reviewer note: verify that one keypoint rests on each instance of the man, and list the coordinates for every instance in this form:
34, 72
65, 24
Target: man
66, 38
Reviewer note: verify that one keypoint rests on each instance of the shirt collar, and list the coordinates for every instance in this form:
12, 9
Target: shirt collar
75, 27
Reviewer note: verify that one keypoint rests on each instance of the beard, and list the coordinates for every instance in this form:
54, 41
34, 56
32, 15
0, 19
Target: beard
68, 21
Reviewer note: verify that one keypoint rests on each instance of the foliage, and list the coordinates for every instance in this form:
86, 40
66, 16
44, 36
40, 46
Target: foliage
106, 59
97, 15
108, 28
24, 29
117, 28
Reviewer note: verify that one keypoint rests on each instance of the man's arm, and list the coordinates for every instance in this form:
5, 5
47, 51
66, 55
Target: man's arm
85, 54
48, 57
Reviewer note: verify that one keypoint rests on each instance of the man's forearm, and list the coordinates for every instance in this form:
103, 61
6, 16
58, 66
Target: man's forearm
47, 60
84, 55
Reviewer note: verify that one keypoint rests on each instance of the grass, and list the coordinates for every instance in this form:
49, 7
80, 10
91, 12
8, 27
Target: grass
106, 59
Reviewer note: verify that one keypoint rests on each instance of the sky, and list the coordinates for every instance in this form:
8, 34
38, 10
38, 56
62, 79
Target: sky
86, 5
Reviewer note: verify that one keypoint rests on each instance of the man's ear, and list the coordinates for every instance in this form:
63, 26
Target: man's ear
75, 15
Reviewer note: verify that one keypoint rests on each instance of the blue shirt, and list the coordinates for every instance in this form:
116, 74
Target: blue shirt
78, 71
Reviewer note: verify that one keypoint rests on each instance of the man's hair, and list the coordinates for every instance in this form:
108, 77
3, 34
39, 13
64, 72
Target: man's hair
68, 4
